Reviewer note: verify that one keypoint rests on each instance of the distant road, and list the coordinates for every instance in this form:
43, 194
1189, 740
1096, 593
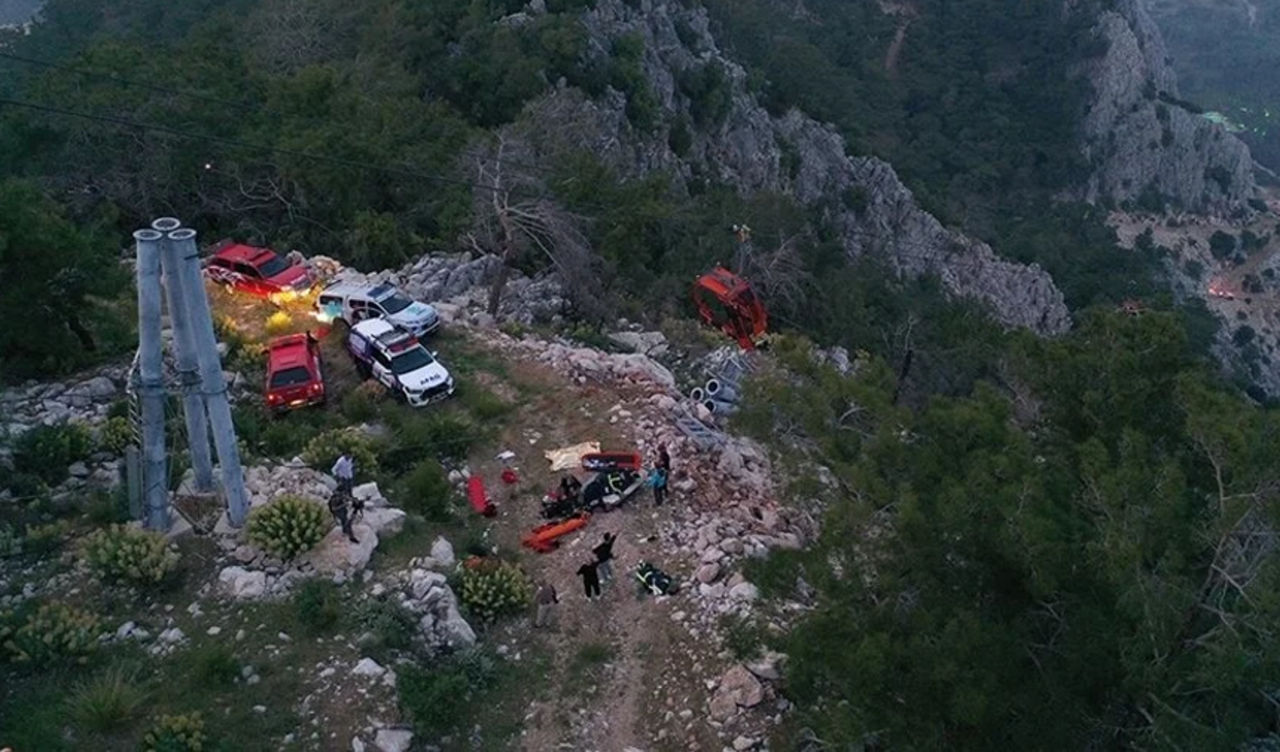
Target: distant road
13, 12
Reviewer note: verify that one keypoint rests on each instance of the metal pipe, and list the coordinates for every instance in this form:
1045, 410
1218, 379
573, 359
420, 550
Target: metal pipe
720, 408
155, 475
721, 391
211, 378
184, 345
696, 394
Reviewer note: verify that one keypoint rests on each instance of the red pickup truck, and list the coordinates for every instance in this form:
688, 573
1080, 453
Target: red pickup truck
294, 376
257, 271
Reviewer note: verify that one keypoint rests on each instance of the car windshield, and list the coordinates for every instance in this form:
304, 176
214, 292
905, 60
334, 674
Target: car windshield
395, 303
411, 360
290, 377
272, 266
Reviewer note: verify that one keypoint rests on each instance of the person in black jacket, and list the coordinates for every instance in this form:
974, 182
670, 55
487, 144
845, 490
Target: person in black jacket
604, 557
590, 579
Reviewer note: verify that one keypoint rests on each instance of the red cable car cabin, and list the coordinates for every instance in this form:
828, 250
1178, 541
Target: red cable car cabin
727, 302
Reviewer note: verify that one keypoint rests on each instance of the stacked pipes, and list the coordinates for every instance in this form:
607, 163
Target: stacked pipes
718, 396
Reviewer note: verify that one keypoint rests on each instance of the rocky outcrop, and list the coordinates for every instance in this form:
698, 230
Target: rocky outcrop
1138, 138
753, 151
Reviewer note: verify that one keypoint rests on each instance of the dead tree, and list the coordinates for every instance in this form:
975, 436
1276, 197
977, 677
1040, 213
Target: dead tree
515, 218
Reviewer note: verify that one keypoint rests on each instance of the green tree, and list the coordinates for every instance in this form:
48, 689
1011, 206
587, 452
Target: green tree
59, 283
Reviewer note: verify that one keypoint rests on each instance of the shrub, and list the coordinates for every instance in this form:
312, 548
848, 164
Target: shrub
129, 554
357, 406
115, 435
426, 490
46, 451
483, 404
431, 434
490, 592
288, 526
53, 633
107, 702
108, 507
390, 624
1221, 244
212, 665
316, 606
10, 542
47, 537
176, 733
324, 450
438, 700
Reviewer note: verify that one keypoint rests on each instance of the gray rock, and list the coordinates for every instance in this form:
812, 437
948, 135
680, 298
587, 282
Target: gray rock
457, 632
442, 552
99, 387
242, 583
368, 667
1195, 162
393, 740
708, 573
744, 591
78, 470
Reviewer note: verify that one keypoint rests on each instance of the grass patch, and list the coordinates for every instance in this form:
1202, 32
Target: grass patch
385, 626
108, 702
209, 665
585, 670
743, 637
317, 607
483, 404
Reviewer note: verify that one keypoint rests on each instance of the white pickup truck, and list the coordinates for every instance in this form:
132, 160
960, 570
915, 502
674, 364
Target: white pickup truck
353, 302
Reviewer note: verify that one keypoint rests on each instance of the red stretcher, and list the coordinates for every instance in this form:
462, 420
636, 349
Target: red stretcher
604, 462
479, 497
545, 538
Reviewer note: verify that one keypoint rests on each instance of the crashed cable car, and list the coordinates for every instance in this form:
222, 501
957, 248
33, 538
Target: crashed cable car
728, 303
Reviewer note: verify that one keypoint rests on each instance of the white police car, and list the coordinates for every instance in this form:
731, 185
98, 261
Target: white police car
353, 302
399, 362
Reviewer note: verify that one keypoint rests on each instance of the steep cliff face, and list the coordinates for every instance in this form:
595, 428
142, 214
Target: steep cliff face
742, 145
1139, 139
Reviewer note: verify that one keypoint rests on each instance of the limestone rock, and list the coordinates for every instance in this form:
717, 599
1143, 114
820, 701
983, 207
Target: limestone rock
768, 666
336, 554
442, 552
242, 583
742, 686
708, 573
393, 740
368, 667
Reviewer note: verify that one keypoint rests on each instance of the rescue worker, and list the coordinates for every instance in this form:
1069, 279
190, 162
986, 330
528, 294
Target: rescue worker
590, 579
658, 479
604, 557
340, 505
546, 599
344, 471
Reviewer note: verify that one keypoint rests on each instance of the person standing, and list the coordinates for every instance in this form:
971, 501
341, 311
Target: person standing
339, 507
604, 557
546, 599
658, 479
344, 470
590, 579
664, 459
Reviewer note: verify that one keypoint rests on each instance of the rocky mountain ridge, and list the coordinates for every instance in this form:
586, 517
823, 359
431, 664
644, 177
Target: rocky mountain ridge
1141, 139
746, 147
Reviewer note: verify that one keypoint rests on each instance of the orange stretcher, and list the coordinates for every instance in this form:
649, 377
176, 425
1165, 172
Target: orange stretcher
479, 497
544, 538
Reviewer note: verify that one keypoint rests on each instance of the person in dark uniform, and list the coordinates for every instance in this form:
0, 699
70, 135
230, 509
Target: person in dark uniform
604, 557
590, 579
342, 505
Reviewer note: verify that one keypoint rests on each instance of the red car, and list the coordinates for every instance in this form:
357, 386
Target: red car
259, 271
294, 378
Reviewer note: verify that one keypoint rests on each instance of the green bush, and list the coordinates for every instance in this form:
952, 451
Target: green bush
211, 665
483, 404
46, 451
129, 554
490, 592
426, 491
108, 702
390, 624
10, 542
176, 733
427, 435
288, 526
47, 537
115, 435
54, 632
438, 700
108, 507
316, 606
357, 407
323, 450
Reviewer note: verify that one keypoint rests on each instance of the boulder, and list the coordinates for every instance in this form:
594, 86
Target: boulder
336, 554
768, 666
708, 573
457, 632
368, 667
369, 494
99, 387
243, 583
393, 740
442, 552
744, 591
423, 581
723, 707
646, 343
742, 686
384, 520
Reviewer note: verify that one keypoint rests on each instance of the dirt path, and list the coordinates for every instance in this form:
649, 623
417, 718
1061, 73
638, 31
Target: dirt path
610, 656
